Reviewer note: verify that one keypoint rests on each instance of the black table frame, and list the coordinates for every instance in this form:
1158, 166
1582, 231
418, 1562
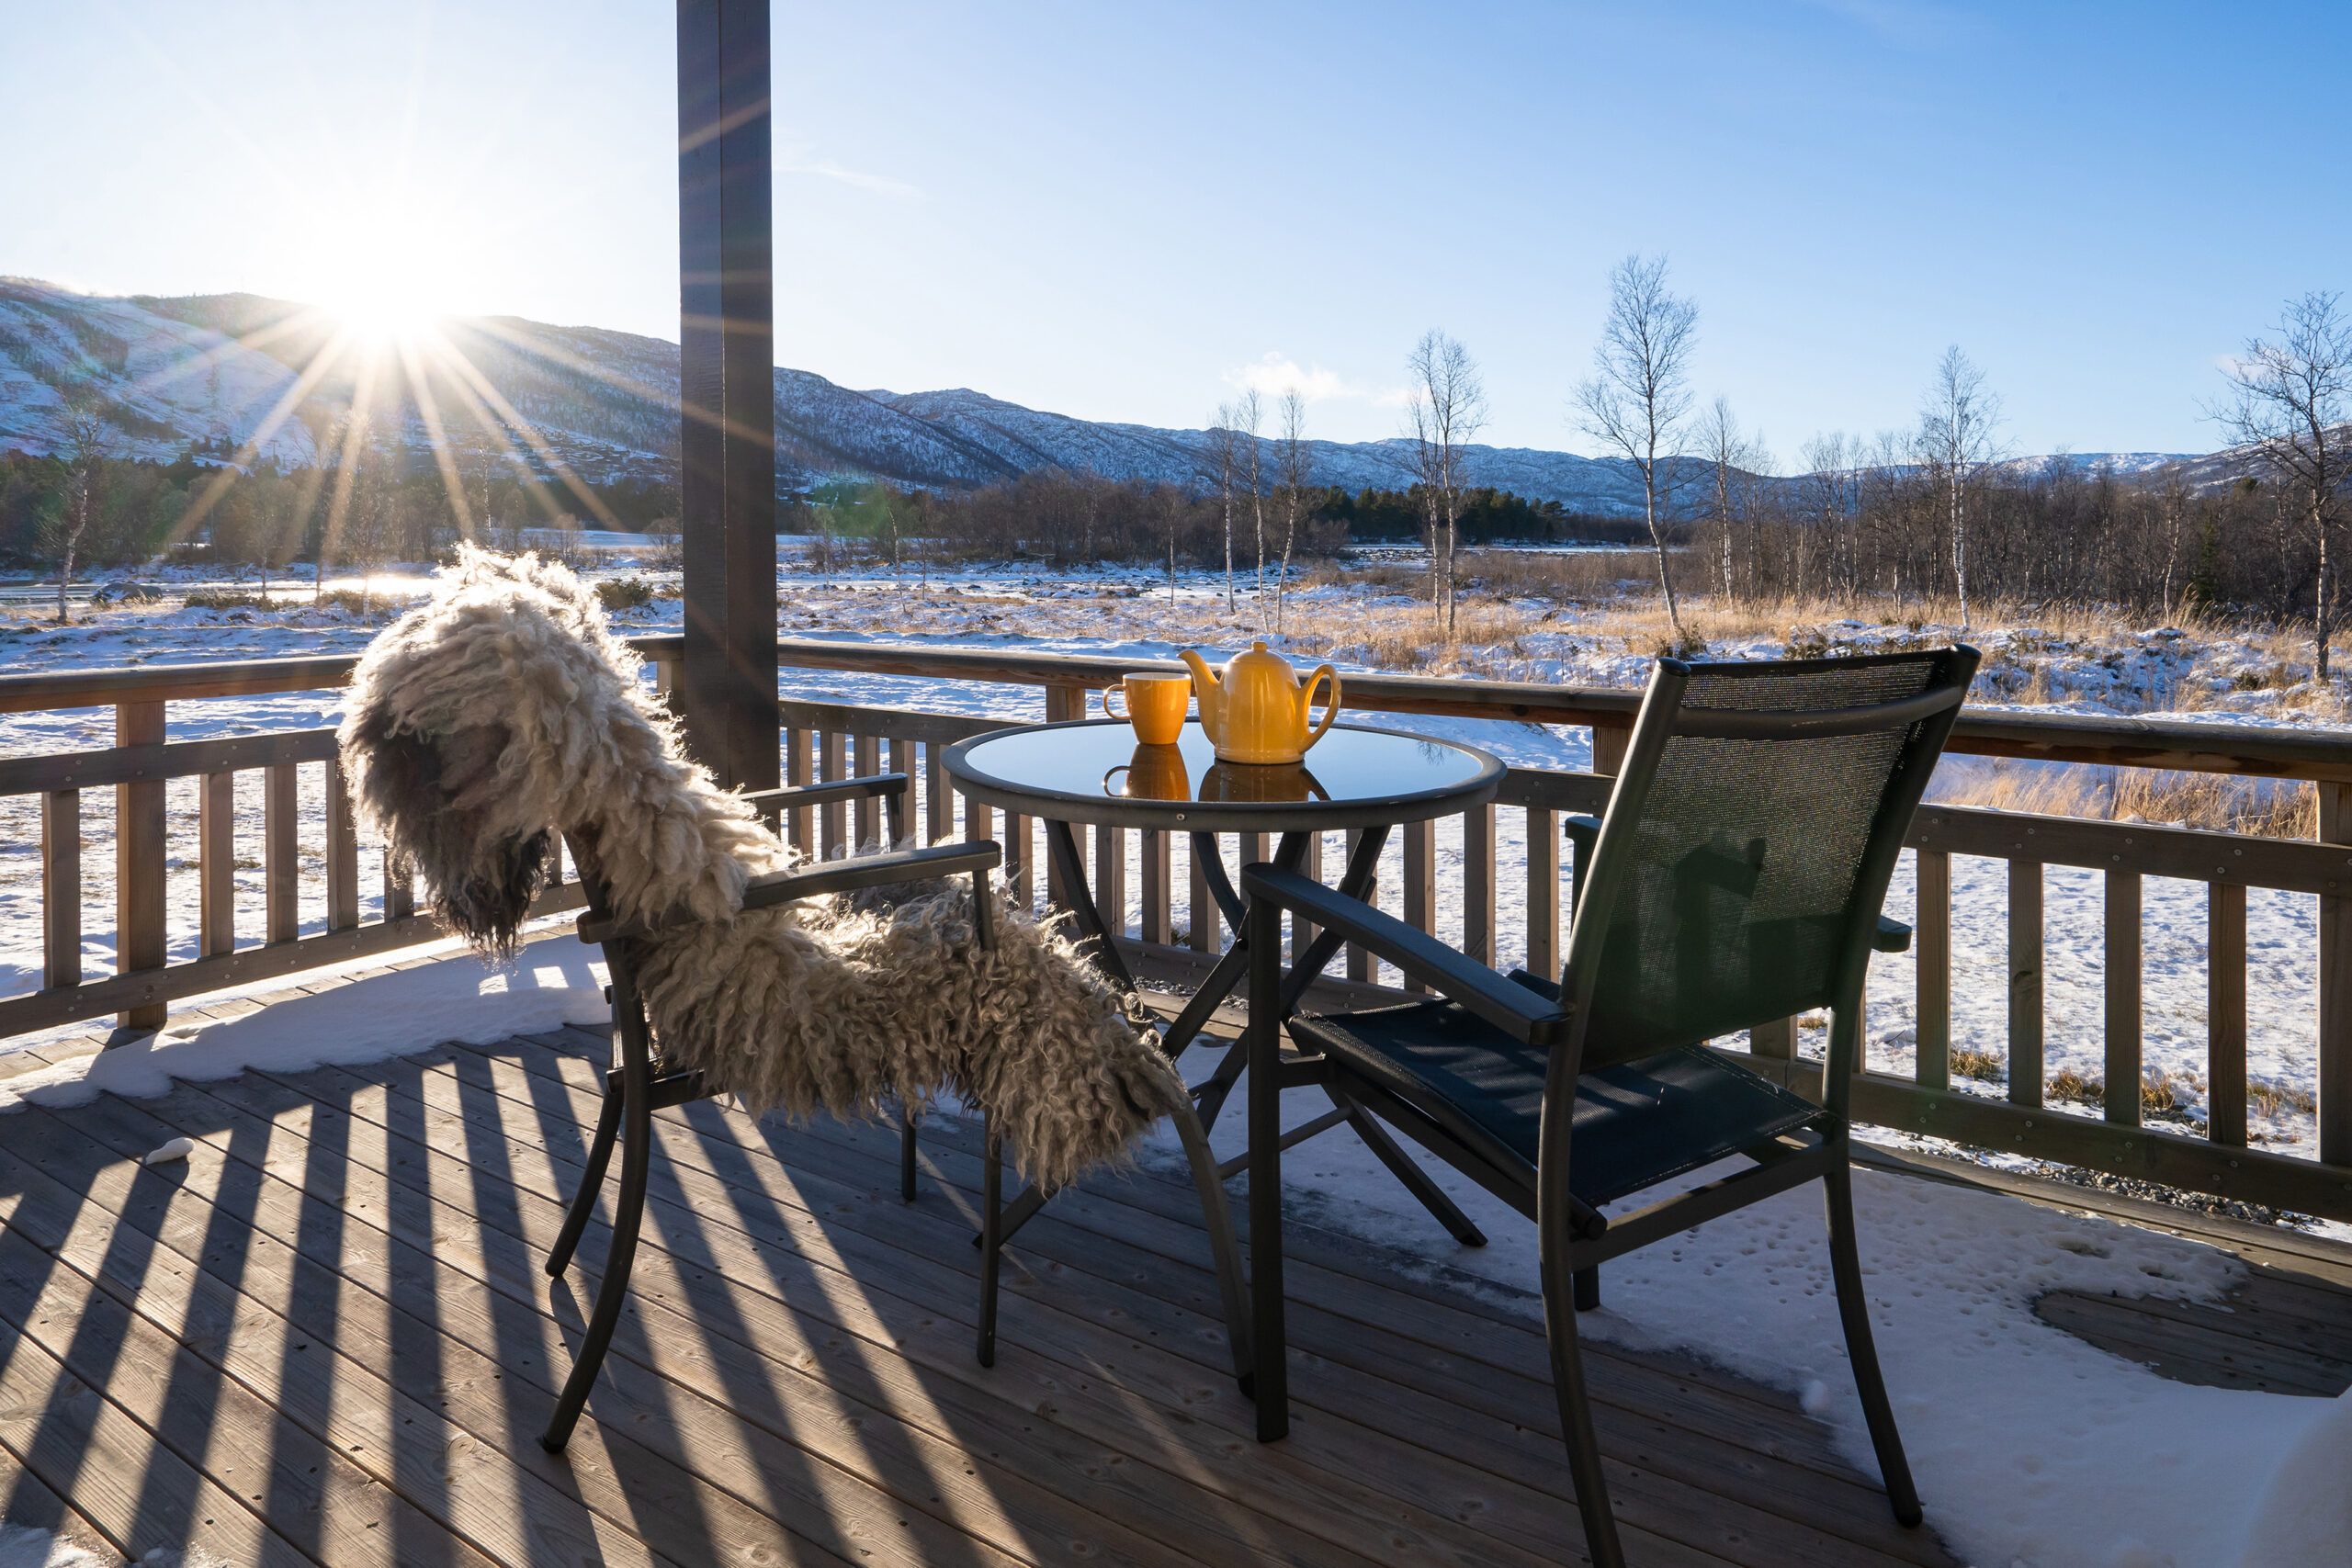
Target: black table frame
1205, 822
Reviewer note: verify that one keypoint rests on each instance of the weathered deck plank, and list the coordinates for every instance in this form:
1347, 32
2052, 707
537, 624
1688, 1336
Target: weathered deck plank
346, 1277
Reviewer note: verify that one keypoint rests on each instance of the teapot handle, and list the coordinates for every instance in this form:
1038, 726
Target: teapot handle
1331, 701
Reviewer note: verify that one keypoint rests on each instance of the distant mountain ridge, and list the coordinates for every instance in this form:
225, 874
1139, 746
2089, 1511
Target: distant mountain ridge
229, 371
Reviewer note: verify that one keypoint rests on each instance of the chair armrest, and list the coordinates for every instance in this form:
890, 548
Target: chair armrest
1511, 1007
1891, 936
1583, 833
822, 879
766, 801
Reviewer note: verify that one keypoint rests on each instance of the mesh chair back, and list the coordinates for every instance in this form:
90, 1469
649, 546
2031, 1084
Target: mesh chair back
1749, 842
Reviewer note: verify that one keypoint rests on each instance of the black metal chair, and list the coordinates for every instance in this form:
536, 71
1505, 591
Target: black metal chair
637, 1084
1734, 881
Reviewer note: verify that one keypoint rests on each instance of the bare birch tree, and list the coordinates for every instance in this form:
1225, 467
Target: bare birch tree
1291, 463
1726, 451
1639, 395
2290, 407
85, 454
1225, 451
1445, 412
1956, 424
1249, 417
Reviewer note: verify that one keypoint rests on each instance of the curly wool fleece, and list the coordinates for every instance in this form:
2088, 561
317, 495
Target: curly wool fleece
501, 707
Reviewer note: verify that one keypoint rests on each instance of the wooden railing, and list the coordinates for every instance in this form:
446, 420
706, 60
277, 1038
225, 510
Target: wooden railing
1507, 855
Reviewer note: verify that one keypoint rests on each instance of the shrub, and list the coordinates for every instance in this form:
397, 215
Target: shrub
626, 593
225, 599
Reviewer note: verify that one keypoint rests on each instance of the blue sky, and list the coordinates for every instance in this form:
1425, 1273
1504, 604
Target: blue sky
1116, 210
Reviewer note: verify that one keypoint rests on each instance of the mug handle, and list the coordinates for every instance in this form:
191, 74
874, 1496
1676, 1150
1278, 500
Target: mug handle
1331, 701
1119, 768
1107, 710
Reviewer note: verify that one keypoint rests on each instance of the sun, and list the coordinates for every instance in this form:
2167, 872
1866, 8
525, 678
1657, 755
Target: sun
388, 274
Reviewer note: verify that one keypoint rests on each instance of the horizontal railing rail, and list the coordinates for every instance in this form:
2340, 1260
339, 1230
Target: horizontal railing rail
1505, 859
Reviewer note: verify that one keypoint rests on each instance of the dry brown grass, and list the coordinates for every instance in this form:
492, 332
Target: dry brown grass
1985, 1066
2274, 809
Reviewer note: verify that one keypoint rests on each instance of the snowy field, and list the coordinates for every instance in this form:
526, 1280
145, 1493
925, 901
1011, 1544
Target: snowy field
2089, 1454
1131, 611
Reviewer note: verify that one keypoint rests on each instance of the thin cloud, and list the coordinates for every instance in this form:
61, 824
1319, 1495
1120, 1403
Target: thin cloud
1276, 373
826, 169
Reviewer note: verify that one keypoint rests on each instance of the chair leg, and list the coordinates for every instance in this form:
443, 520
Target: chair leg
907, 1155
1854, 1313
628, 1214
592, 1183
1587, 1289
1224, 1250
991, 1238
1575, 1412
1401, 1166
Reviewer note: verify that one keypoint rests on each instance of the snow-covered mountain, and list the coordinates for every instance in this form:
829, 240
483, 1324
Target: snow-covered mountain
247, 378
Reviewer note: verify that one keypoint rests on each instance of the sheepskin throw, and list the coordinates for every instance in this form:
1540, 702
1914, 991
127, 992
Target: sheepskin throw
501, 711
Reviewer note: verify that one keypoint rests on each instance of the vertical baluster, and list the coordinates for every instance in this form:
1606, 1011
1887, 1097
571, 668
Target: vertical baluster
1302, 930
976, 822
1479, 883
400, 885
1158, 910
141, 839
2225, 1012
281, 859
216, 863
60, 887
938, 800
869, 762
1931, 942
1111, 877
906, 760
1063, 704
1420, 883
1206, 922
2123, 997
834, 813
2025, 983
343, 853
2336, 986
797, 829
1543, 892
1016, 861
1359, 958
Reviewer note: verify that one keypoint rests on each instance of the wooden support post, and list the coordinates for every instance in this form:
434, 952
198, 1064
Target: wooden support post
60, 887
1609, 743
2225, 1013
281, 855
727, 381
141, 941
1017, 872
1543, 892
400, 886
1478, 884
1932, 946
2123, 997
343, 853
216, 863
2335, 983
1063, 704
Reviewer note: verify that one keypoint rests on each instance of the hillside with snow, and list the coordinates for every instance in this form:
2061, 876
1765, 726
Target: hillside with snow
246, 378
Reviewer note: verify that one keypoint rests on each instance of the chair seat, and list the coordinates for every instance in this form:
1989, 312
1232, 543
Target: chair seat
1636, 1124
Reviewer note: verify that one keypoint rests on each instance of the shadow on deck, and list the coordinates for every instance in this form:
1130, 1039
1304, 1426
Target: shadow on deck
327, 1337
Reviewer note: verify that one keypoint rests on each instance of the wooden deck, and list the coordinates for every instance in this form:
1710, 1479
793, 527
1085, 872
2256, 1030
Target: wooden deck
327, 1337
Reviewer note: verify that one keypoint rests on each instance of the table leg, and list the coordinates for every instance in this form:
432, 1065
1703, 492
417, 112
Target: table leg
1364, 860
1094, 939
1230, 970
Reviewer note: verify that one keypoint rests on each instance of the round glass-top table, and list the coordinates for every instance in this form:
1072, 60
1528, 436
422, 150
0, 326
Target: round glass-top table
1093, 771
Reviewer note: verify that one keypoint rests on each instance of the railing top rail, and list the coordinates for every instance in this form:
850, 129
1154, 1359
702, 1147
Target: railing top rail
2189, 745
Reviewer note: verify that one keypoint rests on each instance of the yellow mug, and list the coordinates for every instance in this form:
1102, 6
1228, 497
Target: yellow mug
1155, 705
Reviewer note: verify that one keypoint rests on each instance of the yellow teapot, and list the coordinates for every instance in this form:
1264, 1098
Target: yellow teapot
1258, 712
